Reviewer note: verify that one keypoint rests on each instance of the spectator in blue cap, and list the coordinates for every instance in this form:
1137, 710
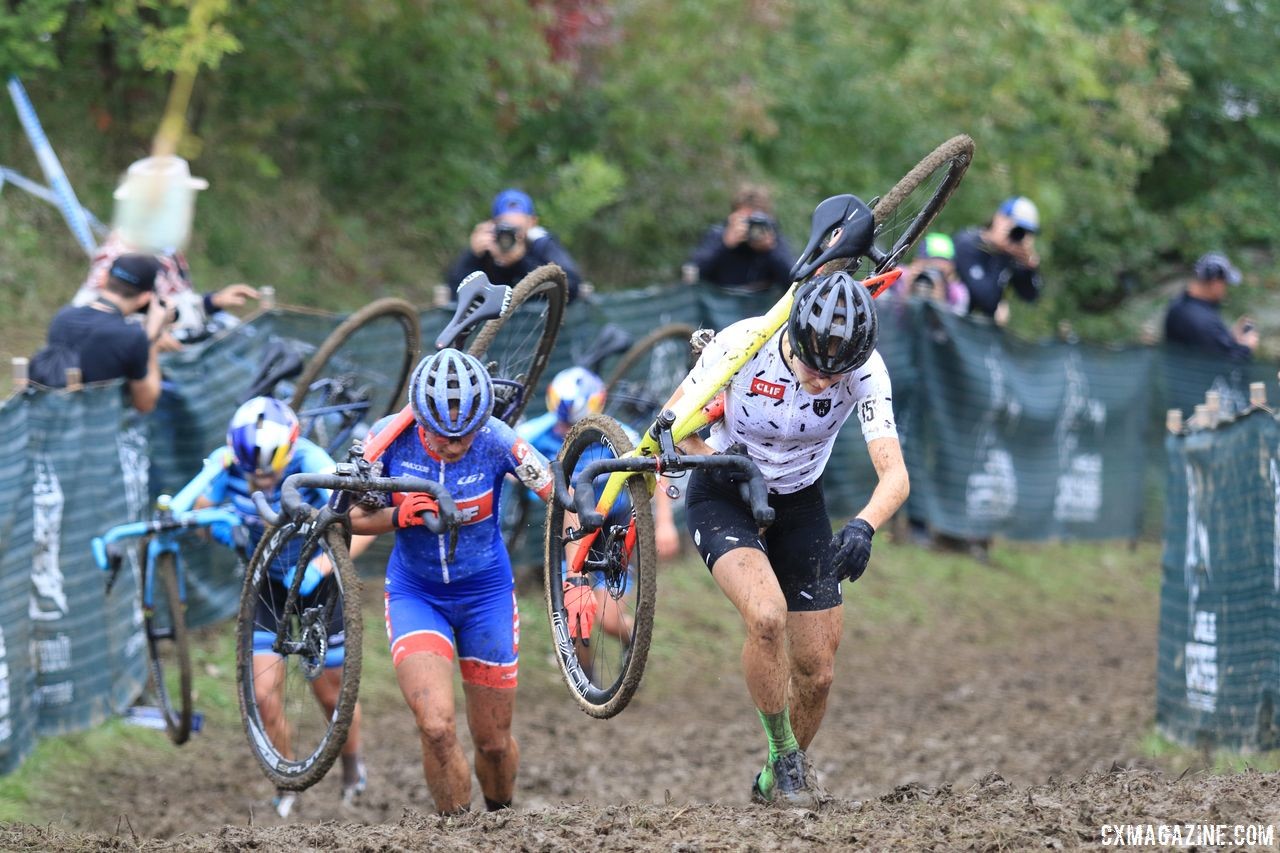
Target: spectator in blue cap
1195, 319
1001, 255
512, 244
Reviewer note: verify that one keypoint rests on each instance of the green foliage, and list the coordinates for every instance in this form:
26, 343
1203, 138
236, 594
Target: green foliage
345, 135
26, 31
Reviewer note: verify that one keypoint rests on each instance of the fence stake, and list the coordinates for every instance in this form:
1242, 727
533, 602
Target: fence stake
74, 382
20, 375
1173, 420
1213, 407
267, 297
1258, 395
1200, 418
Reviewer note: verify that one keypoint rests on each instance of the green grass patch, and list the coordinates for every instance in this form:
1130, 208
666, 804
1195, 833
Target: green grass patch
1177, 758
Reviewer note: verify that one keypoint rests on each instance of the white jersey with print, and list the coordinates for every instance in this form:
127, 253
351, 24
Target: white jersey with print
788, 432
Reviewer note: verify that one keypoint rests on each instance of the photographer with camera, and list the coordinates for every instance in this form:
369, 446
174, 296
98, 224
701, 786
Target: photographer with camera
746, 252
196, 315
932, 275
100, 340
1003, 254
512, 244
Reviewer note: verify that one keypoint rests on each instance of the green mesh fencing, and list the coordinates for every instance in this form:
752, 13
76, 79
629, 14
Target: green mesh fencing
84, 670
1000, 436
1219, 648
17, 676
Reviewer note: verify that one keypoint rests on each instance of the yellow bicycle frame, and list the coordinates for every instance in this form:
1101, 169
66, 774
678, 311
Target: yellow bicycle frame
691, 411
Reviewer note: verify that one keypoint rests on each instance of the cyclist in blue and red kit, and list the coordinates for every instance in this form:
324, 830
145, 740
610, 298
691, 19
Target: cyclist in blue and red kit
442, 603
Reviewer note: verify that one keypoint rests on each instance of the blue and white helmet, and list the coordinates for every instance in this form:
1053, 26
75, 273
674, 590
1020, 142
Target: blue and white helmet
262, 435
451, 393
574, 394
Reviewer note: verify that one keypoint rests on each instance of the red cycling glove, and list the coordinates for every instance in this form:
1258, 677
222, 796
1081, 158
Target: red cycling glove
408, 513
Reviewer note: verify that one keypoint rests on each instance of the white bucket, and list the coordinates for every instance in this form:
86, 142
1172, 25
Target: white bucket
155, 204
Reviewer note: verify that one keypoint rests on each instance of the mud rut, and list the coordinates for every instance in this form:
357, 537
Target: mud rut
935, 737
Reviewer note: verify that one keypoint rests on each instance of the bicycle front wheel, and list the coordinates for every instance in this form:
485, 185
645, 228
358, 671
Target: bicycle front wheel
602, 616
648, 374
165, 623
517, 345
904, 213
358, 374
298, 663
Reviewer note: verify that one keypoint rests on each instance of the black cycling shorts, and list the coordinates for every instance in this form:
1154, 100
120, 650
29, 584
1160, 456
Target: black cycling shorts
796, 543
270, 609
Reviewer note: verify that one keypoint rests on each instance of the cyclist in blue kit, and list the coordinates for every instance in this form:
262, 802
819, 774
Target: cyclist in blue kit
443, 602
262, 449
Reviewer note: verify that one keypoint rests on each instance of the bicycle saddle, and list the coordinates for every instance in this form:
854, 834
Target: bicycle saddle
281, 360
612, 339
854, 240
478, 300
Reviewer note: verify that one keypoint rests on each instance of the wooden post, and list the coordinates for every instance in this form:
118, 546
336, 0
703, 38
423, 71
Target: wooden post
1173, 421
1200, 419
1258, 395
21, 378
441, 296
1213, 407
267, 296
74, 382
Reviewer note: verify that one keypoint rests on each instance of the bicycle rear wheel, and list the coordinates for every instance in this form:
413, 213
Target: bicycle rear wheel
647, 375
165, 624
358, 374
294, 738
602, 656
517, 345
905, 212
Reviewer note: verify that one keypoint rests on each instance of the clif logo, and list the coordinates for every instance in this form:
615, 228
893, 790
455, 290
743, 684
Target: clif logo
768, 389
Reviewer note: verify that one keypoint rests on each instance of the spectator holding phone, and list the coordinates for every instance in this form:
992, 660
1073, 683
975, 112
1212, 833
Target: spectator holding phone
1195, 319
1003, 254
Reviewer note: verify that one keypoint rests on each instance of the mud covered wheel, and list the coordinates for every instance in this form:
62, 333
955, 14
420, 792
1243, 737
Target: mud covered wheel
358, 374
906, 211
648, 374
281, 673
602, 616
517, 345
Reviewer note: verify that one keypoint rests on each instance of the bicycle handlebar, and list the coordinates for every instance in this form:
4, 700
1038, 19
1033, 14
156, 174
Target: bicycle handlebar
107, 555
582, 499
445, 519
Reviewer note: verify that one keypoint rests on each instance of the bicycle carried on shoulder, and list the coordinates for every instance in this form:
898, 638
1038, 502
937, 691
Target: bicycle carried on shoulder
298, 635
163, 590
599, 533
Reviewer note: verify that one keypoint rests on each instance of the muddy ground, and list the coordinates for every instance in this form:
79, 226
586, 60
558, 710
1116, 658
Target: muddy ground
944, 735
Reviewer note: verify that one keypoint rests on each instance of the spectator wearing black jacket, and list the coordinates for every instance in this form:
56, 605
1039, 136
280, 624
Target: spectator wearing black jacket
1195, 320
746, 252
511, 245
1001, 255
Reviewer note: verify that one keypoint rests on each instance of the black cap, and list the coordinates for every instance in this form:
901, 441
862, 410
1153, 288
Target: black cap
137, 271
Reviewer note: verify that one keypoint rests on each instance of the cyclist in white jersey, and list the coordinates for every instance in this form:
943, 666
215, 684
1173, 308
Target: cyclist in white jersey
784, 409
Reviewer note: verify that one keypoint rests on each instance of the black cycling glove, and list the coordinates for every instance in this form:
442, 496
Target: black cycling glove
850, 549
728, 477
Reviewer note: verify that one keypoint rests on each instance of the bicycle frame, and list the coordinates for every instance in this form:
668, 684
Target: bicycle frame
164, 531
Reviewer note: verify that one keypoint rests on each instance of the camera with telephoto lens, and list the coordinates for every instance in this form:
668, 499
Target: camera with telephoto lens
929, 284
1017, 234
759, 226
505, 236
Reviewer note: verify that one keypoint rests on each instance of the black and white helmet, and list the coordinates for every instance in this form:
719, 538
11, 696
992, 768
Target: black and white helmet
833, 325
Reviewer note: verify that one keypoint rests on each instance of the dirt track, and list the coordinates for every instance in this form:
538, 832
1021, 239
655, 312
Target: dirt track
921, 721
